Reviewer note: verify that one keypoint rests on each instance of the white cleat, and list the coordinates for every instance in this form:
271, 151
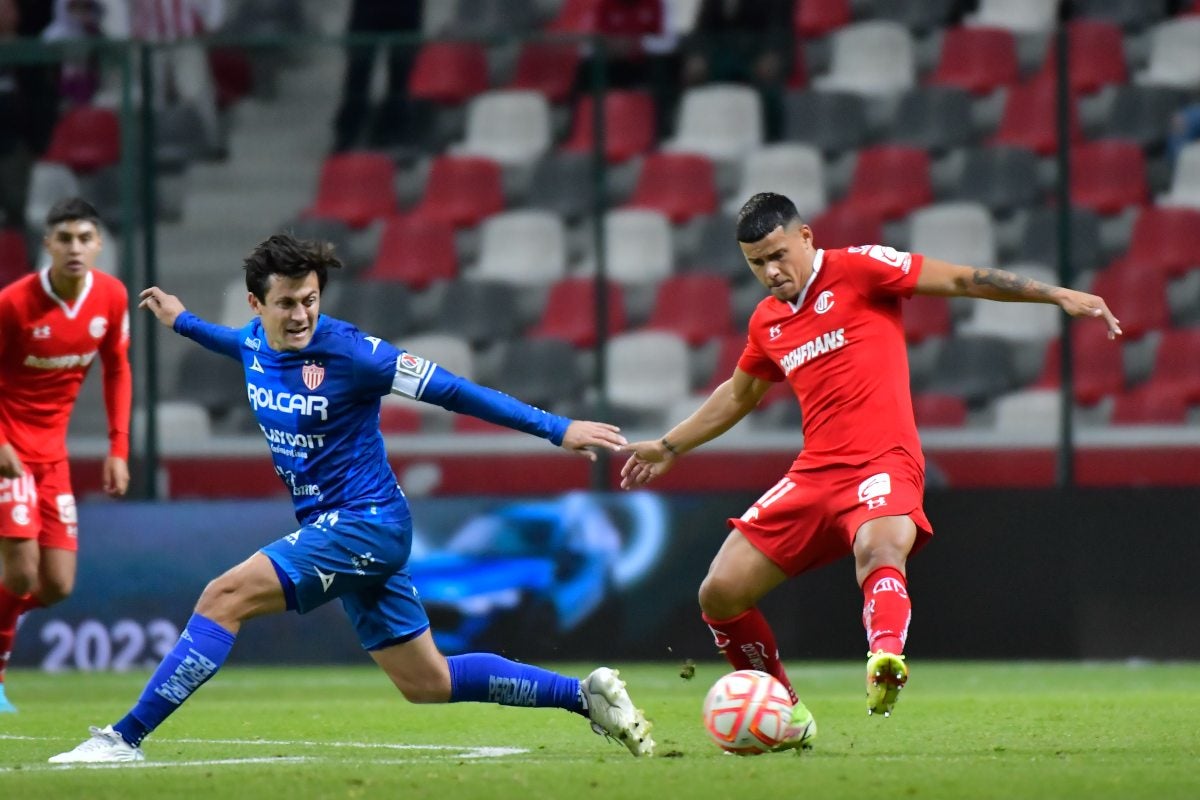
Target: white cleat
105, 746
613, 713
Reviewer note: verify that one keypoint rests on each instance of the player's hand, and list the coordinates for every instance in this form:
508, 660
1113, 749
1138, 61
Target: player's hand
649, 460
582, 435
10, 464
166, 307
1082, 304
116, 476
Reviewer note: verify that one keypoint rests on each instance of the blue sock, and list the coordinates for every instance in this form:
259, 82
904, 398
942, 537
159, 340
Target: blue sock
199, 653
489, 678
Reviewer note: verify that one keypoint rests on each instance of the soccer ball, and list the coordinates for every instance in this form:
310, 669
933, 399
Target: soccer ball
747, 712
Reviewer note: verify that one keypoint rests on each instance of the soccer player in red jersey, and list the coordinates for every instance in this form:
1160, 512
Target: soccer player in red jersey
53, 324
832, 328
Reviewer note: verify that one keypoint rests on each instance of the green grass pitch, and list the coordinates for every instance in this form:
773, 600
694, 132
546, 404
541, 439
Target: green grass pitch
961, 730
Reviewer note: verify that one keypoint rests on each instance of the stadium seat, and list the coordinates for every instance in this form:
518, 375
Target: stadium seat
570, 312
1165, 239
481, 312
1108, 176
48, 183
1038, 241
1097, 361
1030, 118
415, 251
834, 122
325, 229
377, 308
1028, 326
179, 137
638, 247
934, 118
1132, 16
889, 181
1140, 297
715, 250
926, 317
722, 121
629, 120
812, 19
647, 370
1096, 56
214, 382
511, 127
399, 415
233, 75
355, 188
1002, 178
493, 19
86, 139
526, 248
695, 307
919, 16
1028, 412
541, 372
183, 426
841, 226
447, 350
448, 73
574, 16
680, 185
979, 60
794, 170
14, 255
564, 182
933, 410
1150, 405
873, 58
961, 233
975, 369
1019, 16
1174, 54
461, 191
548, 68
1142, 114
1175, 363
1185, 179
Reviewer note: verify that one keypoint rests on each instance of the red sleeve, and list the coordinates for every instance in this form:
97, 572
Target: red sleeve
879, 270
7, 334
754, 361
118, 379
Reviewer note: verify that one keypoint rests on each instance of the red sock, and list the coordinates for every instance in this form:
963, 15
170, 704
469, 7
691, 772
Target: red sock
747, 642
886, 610
11, 608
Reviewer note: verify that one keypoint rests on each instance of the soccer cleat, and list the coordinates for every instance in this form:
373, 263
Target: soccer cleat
6, 706
800, 731
105, 746
886, 675
612, 712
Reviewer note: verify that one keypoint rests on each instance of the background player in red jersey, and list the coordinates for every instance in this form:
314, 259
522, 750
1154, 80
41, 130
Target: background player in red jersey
53, 324
832, 328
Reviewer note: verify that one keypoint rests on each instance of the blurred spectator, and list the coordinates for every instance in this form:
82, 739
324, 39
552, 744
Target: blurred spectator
1185, 127
73, 21
351, 123
27, 112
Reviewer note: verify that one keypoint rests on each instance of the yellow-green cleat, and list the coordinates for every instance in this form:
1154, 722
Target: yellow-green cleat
801, 730
886, 675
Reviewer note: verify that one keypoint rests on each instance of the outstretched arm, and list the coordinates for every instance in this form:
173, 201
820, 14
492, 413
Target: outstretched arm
954, 280
168, 309
724, 408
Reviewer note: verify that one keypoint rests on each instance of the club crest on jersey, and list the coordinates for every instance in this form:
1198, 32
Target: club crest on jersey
97, 327
313, 374
824, 302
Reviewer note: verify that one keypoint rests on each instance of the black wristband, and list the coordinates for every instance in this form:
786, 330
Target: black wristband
670, 447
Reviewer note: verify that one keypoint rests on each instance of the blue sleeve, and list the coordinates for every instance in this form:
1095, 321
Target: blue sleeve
456, 393
217, 338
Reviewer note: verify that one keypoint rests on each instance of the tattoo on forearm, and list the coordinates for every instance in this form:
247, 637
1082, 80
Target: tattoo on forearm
1010, 285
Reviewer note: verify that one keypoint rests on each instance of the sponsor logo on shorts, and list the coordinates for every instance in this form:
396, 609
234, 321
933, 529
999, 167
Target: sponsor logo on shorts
872, 491
326, 578
20, 514
67, 513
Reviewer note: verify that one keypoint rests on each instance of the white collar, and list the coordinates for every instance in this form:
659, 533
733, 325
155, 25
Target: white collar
70, 311
816, 267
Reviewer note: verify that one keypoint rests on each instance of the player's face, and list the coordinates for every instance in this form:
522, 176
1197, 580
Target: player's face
73, 247
782, 260
289, 312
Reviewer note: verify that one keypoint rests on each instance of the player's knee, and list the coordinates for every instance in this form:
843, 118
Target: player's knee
426, 689
720, 598
55, 591
217, 599
19, 578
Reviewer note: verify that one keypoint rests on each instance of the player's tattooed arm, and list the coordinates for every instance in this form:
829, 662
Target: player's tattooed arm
1011, 285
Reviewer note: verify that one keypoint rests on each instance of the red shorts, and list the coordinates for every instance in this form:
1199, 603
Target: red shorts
40, 505
811, 517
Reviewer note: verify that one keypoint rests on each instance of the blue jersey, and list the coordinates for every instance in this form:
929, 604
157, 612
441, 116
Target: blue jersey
319, 409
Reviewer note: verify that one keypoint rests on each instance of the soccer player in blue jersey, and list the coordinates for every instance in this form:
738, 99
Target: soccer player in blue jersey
315, 385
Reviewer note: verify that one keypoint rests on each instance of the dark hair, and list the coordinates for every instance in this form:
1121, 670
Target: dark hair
72, 209
763, 213
285, 255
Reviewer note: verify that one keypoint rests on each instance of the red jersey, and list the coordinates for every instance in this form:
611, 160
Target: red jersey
841, 347
46, 347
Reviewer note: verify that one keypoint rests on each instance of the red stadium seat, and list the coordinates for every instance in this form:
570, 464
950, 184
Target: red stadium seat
399, 417
233, 74
979, 60
1150, 405
841, 227
1030, 118
936, 410
575, 16
14, 255
416, 251
729, 351
462, 191
547, 67
1166, 240
570, 312
86, 139
889, 181
680, 185
1139, 295
815, 18
355, 188
449, 72
466, 424
696, 307
1097, 363
926, 317
1108, 176
1096, 54
1175, 363
628, 125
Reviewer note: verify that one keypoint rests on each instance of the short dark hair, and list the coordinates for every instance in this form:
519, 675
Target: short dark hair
72, 209
285, 255
763, 213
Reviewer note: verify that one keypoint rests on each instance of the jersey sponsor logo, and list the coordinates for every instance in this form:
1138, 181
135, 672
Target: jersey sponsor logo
253, 344
298, 489
307, 405
326, 578
313, 373
361, 563
67, 513
255, 366
313, 441
97, 327
41, 332
374, 340
872, 491
410, 364
412, 375
819, 346
71, 361
888, 255
824, 302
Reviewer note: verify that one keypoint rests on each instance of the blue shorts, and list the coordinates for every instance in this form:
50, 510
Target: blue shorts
363, 560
